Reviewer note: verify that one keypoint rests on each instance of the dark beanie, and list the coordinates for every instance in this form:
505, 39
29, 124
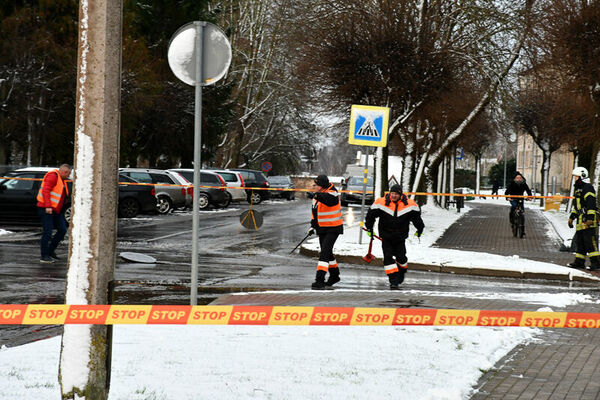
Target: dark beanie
396, 188
322, 180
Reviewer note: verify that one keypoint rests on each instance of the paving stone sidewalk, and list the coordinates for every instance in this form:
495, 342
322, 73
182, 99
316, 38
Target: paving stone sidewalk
564, 363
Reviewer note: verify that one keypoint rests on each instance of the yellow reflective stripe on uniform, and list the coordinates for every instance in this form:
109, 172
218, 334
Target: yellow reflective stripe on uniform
594, 254
577, 255
589, 194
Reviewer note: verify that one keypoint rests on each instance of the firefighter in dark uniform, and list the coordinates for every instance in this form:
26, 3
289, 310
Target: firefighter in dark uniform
585, 216
395, 211
327, 222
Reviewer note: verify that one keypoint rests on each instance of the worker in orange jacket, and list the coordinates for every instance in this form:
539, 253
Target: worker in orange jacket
327, 222
395, 211
51, 198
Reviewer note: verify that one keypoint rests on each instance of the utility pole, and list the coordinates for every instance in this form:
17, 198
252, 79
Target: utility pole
84, 370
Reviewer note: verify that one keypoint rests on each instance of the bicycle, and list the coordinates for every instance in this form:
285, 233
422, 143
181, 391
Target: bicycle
518, 220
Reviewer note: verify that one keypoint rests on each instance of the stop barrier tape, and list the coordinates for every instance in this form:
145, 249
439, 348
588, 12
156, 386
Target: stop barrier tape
309, 190
60, 314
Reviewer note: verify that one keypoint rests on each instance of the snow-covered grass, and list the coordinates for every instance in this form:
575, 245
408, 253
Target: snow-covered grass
275, 362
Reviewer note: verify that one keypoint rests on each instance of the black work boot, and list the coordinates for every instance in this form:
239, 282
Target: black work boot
334, 276
395, 281
578, 263
594, 263
319, 282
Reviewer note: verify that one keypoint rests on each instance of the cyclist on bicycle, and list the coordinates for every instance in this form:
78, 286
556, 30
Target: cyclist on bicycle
517, 187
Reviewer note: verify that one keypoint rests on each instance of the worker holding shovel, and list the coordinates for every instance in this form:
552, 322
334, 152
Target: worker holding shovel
395, 211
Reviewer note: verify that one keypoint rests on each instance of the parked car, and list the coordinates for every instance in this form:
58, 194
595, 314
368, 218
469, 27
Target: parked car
254, 179
355, 183
168, 197
18, 203
218, 197
282, 182
233, 179
135, 199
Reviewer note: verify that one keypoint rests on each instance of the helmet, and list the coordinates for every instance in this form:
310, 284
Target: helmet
580, 171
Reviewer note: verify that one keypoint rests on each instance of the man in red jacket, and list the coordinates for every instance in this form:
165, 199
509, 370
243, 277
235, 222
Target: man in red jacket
51, 199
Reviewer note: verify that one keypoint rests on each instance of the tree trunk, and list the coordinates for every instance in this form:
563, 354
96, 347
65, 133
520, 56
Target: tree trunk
572, 187
546, 158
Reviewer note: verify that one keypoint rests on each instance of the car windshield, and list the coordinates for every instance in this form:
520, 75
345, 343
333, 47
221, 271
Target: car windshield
278, 180
358, 181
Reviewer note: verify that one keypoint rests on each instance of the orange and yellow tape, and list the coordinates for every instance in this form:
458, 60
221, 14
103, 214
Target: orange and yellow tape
60, 314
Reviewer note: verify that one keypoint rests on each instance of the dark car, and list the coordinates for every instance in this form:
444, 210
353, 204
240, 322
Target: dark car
135, 199
217, 197
254, 179
282, 182
355, 184
18, 203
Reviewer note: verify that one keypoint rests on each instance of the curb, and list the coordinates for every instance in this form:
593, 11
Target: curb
447, 269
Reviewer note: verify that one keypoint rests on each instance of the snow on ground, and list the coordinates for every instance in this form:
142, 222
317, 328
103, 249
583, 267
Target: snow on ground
4, 232
275, 362
437, 220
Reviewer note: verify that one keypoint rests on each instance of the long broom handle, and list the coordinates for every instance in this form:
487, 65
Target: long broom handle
302, 241
374, 235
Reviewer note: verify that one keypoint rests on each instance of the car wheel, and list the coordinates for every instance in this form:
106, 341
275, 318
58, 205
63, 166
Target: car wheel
203, 201
67, 214
129, 208
163, 205
254, 198
224, 203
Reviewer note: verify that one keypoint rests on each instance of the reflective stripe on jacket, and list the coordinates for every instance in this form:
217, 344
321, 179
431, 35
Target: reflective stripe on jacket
584, 206
394, 217
328, 216
55, 193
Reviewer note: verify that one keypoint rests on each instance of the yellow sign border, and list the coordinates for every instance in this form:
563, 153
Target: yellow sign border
384, 127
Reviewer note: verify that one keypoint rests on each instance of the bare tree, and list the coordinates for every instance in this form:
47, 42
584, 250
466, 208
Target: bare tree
407, 54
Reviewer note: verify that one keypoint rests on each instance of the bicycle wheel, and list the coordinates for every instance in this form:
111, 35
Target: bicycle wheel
521, 225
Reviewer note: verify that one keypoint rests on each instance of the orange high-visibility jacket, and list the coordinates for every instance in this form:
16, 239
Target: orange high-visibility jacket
328, 216
394, 217
55, 193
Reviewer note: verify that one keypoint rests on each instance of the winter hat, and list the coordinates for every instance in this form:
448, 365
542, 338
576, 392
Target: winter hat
396, 188
322, 180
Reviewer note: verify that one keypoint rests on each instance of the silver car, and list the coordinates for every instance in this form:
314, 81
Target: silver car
233, 179
355, 184
172, 190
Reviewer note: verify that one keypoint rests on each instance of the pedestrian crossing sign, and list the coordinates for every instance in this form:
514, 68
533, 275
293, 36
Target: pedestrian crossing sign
369, 125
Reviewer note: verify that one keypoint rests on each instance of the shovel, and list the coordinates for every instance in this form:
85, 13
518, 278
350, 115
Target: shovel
369, 257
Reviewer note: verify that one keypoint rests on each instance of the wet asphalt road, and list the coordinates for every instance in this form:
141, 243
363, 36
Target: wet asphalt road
231, 259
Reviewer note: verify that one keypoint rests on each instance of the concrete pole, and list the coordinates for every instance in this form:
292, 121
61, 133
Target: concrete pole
84, 370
